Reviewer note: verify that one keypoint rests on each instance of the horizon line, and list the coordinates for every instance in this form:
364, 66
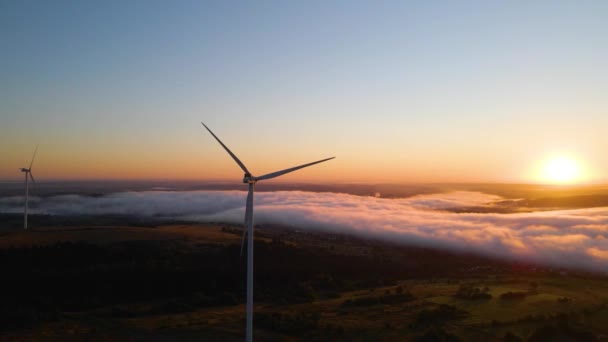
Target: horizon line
232, 181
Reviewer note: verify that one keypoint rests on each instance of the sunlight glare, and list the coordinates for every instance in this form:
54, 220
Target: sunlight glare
562, 170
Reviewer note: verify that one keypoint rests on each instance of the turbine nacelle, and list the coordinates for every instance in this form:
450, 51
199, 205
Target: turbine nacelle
249, 179
25, 170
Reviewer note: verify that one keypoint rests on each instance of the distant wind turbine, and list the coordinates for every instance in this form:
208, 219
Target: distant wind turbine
251, 180
28, 172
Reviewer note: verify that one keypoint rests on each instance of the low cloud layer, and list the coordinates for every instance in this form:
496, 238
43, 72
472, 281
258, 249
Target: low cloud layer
571, 238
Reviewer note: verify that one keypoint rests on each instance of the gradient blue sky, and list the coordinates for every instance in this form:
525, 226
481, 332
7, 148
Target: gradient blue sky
398, 91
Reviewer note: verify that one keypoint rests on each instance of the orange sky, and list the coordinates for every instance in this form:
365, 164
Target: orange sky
198, 156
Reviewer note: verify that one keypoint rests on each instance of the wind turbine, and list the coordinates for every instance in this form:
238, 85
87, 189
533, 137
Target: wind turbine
28, 172
251, 180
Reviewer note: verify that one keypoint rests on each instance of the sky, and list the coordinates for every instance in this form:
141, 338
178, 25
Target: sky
398, 91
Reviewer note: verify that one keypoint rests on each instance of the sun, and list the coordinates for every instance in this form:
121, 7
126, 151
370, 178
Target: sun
562, 170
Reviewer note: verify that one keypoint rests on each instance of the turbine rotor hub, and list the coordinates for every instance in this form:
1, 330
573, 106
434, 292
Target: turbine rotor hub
249, 179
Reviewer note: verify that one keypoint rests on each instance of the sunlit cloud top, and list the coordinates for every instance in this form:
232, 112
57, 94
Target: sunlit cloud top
562, 238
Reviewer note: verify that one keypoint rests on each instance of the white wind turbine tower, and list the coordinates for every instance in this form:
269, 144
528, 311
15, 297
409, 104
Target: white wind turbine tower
28, 172
251, 180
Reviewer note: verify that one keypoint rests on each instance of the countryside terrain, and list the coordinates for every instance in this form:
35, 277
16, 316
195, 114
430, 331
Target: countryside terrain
99, 280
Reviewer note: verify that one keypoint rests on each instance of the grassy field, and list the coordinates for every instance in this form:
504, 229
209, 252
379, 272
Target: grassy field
328, 288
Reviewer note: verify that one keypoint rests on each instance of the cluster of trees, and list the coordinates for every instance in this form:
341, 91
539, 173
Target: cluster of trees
467, 291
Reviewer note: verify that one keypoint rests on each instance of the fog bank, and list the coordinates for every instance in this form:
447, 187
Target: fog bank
572, 238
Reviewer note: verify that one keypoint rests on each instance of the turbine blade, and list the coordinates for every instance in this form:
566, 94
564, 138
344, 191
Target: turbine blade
228, 150
280, 173
248, 217
32, 177
34, 156
243, 240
